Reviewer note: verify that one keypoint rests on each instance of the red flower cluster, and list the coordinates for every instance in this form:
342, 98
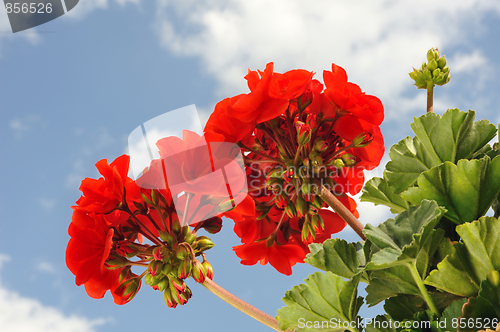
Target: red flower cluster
115, 213
296, 136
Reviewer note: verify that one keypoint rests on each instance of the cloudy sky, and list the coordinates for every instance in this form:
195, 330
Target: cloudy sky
73, 89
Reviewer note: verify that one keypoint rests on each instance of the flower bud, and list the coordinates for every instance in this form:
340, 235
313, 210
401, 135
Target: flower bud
163, 284
155, 268
115, 261
177, 283
212, 225
320, 145
167, 268
168, 238
303, 132
208, 268
432, 65
338, 163
290, 210
184, 269
169, 301
203, 243
349, 159
318, 202
441, 62
198, 272
128, 289
159, 253
182, 252
432, 54
176, 228
301, 206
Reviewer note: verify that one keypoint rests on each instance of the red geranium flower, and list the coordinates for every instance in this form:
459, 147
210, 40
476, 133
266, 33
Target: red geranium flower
294, 137
106, 193
87, 251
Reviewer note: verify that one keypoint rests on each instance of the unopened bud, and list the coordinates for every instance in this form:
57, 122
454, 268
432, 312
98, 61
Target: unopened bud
155, 268
432, 65
182, 252
349, 159
128, 289
115, 261
198, 272
318, 202
441, 62
176, 228
203, 243
303, 132
320, 145
301, 206
168, 238
163, 284
184, 269
209, 269
167, 268
212, 225
178, 284
159, 253
169, 301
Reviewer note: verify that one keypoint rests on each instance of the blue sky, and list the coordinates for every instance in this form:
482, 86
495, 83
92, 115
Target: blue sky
73, 89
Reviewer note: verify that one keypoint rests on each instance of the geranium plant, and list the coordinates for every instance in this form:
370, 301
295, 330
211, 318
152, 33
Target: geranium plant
303, 147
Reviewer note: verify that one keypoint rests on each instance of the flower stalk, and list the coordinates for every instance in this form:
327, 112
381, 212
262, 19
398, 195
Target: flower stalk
341, 210
242, 305
430, 97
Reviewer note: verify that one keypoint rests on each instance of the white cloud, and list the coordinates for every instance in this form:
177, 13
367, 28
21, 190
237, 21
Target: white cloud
378, 42
21, 126
468, 62
24, 314
47, 203
46, 267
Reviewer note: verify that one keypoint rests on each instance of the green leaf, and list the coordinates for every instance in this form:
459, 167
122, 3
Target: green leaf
466, 190
408, 160
452, 137
325, 298
390, 282
402, 238
410, 238
337, 256
377, 191
405, 306
473, 259
485, 305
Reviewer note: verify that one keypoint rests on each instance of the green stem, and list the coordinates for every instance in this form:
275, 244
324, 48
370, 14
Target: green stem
423, 290
430, 97
242, 305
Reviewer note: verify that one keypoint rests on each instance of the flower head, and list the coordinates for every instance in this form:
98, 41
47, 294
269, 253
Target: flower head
296, 136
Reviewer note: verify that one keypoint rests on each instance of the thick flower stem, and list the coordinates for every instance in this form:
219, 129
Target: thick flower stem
341, 210
430, 97
423, 290
242, 305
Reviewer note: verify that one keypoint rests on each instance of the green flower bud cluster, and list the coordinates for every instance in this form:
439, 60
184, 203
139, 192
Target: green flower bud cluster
174, 261
433, 71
